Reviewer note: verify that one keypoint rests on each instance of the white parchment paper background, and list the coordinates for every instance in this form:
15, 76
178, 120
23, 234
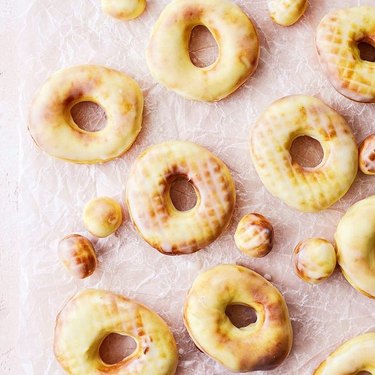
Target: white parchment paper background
57, 34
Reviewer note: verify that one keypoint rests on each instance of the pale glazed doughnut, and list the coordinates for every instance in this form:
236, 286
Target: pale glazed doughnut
351, 358
102, 216
337, 37
314, 260
54, 131
304, 188
355, 246
254, 235
367, 155
78, 256
168, 50
262, 345
286, 12
124, 9
91, 315
157, 220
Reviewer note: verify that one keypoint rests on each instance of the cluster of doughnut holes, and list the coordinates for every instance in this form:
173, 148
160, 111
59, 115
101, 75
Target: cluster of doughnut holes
124, 9
314, 260
354, 357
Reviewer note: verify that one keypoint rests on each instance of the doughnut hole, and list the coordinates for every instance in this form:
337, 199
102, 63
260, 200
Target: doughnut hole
89, 116
241, 315
367, 155
78, 256
183, 194
254, 235
115, 348
307, 152
366, 50
314, 260
102, 216
203, 49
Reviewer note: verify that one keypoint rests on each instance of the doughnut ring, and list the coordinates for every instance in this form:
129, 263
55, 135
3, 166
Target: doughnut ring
124, 9
168, 51
262, 345
53, 129
286, 12
148, 197
337, 38
91, 315
367, 155
304, 188
353, 357
355, 250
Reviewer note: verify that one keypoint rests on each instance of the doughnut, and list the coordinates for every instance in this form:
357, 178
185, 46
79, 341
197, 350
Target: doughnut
307, 189
254, 235
78, 256
102, 216
355, 248
148, 197
314, 260
286, 12
168, 50
367, 155
337, 39
262, 345
53, 129
124, 9
91, 315
353, 357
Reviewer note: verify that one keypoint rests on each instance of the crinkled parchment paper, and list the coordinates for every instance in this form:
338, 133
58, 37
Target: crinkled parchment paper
57, 34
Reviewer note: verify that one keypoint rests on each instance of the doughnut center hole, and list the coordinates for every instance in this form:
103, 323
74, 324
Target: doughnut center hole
306, 151
115, 348
366, 51
364, 373
203, 48
183, 195
89, 116
241, 315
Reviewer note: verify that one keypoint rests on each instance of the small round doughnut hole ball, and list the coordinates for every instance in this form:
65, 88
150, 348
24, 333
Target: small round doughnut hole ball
78, 256
102, 216
314, 260
367, 155
254, 235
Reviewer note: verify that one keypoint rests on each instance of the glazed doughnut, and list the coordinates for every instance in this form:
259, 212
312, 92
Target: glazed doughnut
286, 12
78, 256
351, 358
304, 188
337, 38
124, 9
254, 235
102, 216
314, 260
54, 131
148, 197
91, 315
355, 248
168, 51
367, 155
262, 345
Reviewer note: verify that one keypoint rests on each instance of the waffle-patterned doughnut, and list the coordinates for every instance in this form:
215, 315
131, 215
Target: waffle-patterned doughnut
355, 356
53, 129
124, 9
262, 345
337, 38
157, 220
286, 12
355, 246
91, 315
304, 188
168, 51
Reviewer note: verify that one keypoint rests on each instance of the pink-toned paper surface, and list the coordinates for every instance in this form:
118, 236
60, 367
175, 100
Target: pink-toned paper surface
57, 34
